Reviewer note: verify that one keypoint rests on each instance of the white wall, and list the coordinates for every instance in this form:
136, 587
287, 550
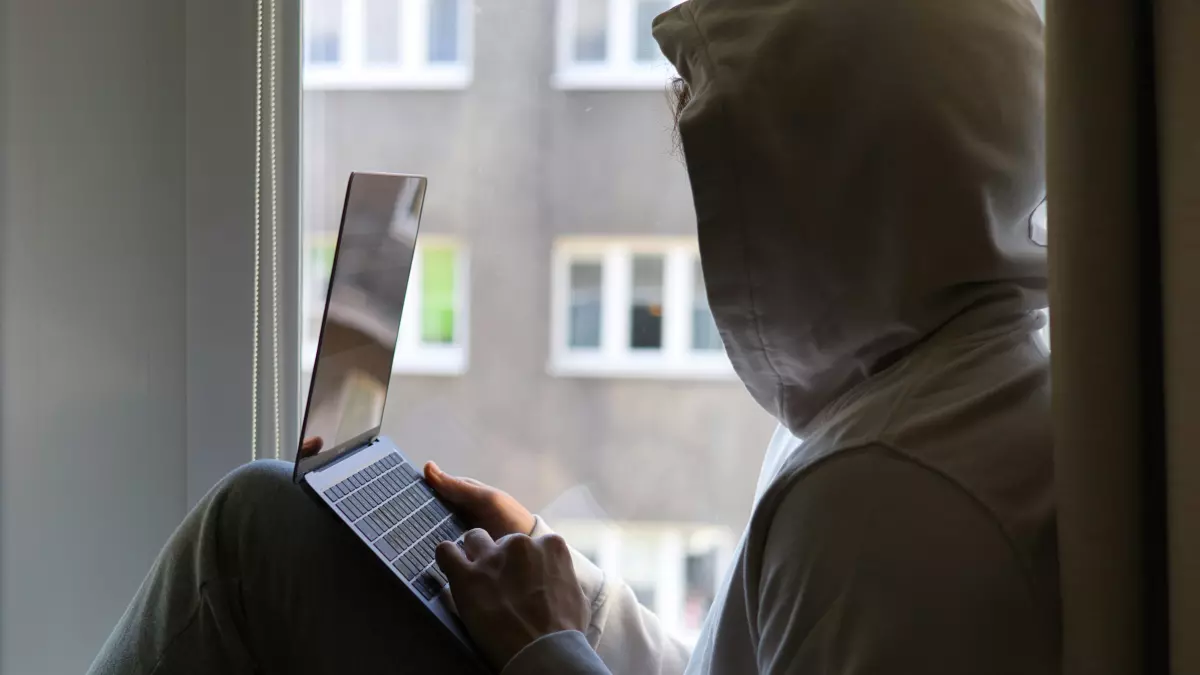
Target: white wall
92, 316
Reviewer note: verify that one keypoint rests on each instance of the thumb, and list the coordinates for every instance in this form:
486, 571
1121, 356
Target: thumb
459, 491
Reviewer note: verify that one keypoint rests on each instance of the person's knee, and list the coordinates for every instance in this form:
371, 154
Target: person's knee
257, 504
258, 490
258, 477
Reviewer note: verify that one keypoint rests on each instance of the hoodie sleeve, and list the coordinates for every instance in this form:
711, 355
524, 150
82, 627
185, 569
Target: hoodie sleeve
876, 565
627, 637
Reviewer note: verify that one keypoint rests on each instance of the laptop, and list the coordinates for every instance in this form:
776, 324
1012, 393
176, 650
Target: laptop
363, 477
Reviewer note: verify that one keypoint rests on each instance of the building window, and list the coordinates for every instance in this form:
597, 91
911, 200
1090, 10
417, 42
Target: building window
607, 44
632, 308
387, 44
433, 327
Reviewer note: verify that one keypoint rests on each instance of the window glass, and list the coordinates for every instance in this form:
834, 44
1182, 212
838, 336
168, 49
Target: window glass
324, 31
584, 328
646, 319
591, 30
443, 31
704, 329
645, 45
438, 272
381, 19
555, 332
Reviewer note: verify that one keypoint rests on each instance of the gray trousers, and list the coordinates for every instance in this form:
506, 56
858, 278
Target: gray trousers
261, 578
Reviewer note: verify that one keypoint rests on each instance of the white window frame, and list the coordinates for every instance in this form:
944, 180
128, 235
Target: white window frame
620, 70
614, 357
414, 71
414, 357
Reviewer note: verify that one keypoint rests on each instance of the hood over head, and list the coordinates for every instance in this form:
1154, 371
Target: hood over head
864, 172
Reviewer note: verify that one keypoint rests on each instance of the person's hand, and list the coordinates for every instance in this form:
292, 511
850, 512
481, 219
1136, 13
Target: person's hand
481, 505
310, 446
514, 591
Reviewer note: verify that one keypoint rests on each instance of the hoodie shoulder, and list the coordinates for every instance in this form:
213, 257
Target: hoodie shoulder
874, 563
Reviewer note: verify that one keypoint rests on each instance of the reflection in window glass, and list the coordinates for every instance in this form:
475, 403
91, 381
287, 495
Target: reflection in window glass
584, 329
530, 377
704, 329
443, 31
438, 274
381, 19
324, 31
645, 325
591, 31
646, 46
362, 404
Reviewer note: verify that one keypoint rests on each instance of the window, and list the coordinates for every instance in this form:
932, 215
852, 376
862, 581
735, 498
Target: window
633, 308
433, 327
673, 568
370, 44
607, 44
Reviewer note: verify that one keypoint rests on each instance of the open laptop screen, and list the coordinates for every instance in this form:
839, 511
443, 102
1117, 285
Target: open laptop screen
362, 315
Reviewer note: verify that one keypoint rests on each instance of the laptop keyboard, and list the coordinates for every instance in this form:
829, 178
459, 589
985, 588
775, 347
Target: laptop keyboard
396, 511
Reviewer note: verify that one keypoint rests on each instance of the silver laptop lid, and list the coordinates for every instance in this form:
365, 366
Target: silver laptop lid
353, 366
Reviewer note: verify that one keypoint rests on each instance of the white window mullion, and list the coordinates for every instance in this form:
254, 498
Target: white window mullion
669, 598
614, 356
615, 306
354, 44
620, 33
677, 300
414, 38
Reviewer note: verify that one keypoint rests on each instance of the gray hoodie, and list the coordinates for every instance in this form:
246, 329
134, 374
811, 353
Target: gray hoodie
865, 175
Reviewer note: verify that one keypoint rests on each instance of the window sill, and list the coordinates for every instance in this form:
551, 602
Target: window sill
649, 78
450, 78
633, 367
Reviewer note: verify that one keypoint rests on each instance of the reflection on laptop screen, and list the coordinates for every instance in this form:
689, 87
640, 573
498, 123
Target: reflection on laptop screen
362, 314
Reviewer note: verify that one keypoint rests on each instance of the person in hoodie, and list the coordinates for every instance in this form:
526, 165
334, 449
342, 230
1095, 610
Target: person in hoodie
864, 173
